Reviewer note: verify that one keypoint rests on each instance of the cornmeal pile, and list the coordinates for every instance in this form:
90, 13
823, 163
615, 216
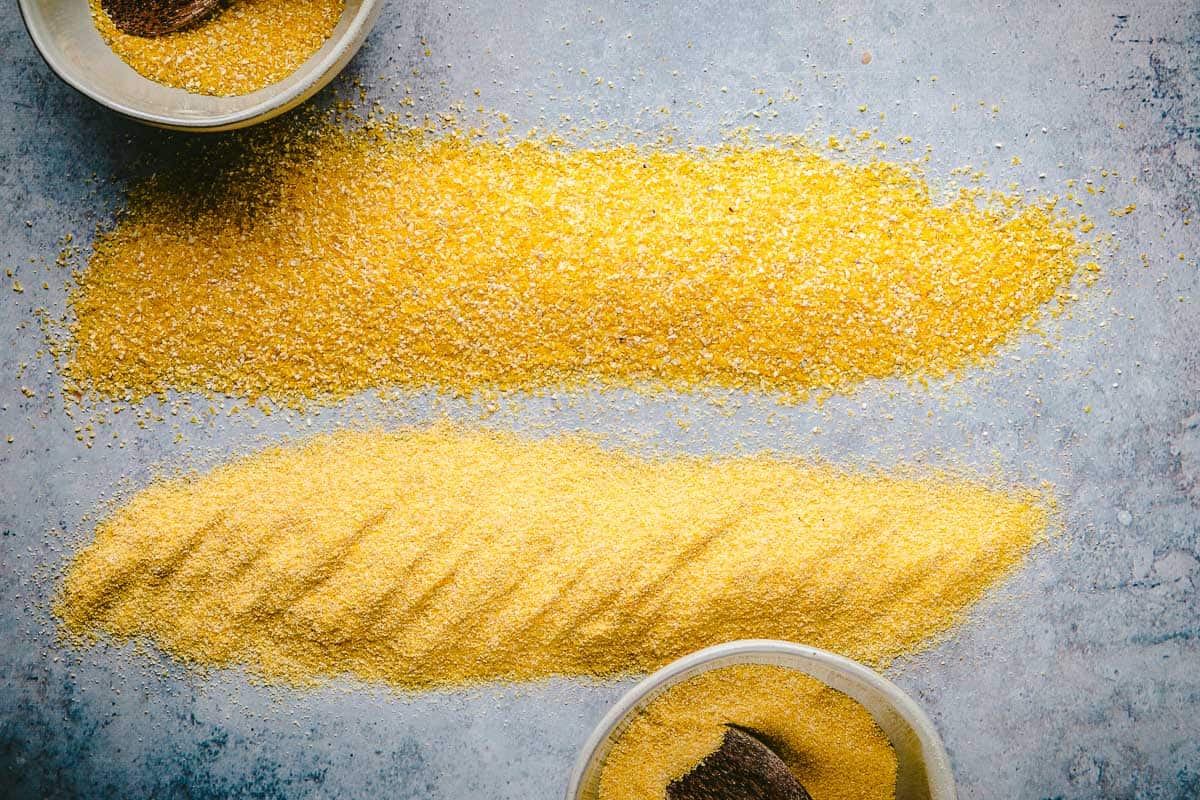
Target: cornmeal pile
245, 46
444, 556
829, 742
331, 263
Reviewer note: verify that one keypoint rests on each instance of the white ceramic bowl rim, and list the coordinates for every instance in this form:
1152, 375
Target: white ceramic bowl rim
934, 779
350, 39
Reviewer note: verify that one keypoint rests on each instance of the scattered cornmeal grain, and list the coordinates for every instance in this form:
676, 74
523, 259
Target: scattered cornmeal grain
442, 556
829, 742
322, 267
245, 46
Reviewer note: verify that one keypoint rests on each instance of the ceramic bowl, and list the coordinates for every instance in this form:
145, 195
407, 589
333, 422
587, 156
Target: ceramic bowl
64, 33
923, 768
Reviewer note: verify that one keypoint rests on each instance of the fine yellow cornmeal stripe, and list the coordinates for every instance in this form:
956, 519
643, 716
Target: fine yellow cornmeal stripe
442, 557
324, 266
242, 48
829, 741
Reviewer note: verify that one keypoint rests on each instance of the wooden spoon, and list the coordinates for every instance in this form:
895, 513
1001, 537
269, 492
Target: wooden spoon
742, 768
156, 17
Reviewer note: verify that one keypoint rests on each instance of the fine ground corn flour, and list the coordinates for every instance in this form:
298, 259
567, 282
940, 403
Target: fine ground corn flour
443, 556
828, 741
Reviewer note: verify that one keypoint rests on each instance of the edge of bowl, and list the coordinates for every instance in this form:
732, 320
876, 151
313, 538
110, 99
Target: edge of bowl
937, 762
332, 63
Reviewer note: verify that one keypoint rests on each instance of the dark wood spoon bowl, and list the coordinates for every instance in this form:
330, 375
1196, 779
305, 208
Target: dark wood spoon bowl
744, 767
151, 18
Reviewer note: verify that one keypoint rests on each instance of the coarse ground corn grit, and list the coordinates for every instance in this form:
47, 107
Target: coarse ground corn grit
338, 261
442, 556
245, 46
829, 742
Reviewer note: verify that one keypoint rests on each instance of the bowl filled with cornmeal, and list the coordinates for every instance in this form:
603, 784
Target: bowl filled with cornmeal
244, 62
841, 730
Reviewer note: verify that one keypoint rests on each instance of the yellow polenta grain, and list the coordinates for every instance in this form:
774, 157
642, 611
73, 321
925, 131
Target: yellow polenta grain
442, 556
245, 46
356, 260
829, 742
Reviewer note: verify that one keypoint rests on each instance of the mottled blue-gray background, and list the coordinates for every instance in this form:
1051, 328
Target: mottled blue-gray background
1080, 679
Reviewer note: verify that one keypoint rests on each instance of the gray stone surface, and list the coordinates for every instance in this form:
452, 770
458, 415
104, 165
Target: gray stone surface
1081, 679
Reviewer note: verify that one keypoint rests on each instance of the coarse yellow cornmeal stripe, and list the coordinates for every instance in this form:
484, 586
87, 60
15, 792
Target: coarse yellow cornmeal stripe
323, 265
443, 556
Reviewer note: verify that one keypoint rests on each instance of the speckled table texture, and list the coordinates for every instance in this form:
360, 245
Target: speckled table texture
1079, 679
